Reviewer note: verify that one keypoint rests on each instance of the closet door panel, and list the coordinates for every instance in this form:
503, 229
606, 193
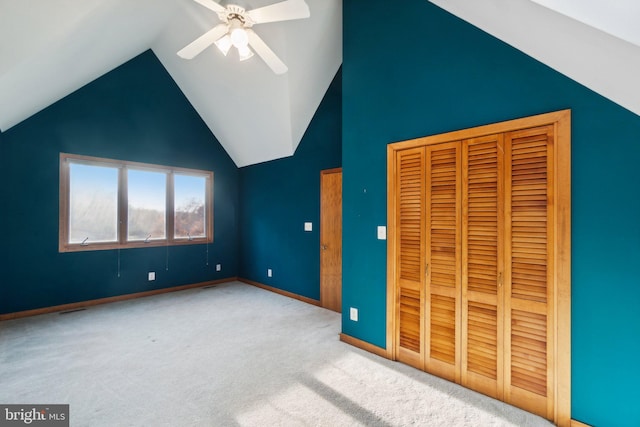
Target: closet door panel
410, 167
529, 351
442, 353
482, 264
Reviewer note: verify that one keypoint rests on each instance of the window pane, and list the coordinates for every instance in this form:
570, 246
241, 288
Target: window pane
93, 204
147, 197
189, 193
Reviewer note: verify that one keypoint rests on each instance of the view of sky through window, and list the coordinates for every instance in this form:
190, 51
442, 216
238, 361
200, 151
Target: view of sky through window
93, 203
189, 202
147, 196
108, 204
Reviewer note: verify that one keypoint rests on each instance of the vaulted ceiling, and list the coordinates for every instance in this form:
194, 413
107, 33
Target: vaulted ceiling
50, 49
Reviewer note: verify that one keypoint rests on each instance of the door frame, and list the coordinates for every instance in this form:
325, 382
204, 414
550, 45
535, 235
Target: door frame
561, 120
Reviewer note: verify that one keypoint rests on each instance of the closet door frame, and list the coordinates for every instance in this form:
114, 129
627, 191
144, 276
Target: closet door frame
561, 274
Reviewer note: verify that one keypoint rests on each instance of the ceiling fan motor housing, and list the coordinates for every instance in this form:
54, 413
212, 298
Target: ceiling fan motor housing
233, 12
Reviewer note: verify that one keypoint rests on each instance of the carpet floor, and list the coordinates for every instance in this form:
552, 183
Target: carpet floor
230, 355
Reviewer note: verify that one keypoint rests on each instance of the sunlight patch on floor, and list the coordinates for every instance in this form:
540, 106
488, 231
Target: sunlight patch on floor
294, 406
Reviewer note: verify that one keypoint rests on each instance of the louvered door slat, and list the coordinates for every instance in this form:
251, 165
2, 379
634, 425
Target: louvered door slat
528, 309
482, 350
443, 258
409, 333
481, 264
529, 352
442, 328
410, 199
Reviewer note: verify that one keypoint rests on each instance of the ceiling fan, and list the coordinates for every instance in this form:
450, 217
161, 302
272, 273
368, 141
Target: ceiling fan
235, 30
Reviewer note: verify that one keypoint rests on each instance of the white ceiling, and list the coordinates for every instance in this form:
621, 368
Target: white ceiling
50, 49
618, 18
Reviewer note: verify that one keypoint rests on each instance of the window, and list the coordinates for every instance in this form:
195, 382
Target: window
108, 204
189, 213
146, 205
93, 203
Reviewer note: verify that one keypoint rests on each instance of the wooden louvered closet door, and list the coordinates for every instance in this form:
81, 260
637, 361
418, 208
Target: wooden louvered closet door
507, 253
442, 305
409, 293
479, 260
529, 291
482, 264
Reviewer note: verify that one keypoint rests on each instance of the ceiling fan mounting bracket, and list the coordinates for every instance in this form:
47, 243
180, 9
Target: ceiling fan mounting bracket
233, 11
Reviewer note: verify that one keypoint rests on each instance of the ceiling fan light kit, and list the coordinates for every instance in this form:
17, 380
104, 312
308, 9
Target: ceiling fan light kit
224, 44
235, 30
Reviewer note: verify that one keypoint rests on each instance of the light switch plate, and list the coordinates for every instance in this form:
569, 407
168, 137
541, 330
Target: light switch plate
353, 314
382, 232
308, 226
152, 276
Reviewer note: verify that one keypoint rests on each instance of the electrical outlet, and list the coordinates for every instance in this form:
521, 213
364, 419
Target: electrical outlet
308, 226
218, 267
152, 276
353, 314
382, 232
269, 273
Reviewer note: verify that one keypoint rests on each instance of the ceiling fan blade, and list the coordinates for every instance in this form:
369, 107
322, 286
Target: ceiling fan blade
202, 42
283, 11
210, 4
266, 53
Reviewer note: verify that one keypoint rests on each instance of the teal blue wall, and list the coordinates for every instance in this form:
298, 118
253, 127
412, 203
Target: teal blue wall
429, 72
135, 112
278, 197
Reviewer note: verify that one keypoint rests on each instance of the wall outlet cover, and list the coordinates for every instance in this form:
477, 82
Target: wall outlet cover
382, 232
353, 314
152, 276
218, 267
308, 226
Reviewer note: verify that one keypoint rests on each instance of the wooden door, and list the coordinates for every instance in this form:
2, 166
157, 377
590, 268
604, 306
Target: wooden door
409, 184
443, 257
331, 239
529, 278
482, 264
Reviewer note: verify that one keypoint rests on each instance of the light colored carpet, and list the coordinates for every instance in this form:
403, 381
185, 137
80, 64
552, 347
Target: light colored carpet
231, 355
